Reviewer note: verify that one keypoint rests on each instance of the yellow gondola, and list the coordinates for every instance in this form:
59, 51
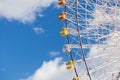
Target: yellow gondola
64, 32
76, 78
70, 65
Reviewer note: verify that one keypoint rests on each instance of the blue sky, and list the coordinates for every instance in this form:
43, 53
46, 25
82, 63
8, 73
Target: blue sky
30, 44
22, 49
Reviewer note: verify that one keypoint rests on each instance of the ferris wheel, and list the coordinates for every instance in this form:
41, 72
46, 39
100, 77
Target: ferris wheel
92, 30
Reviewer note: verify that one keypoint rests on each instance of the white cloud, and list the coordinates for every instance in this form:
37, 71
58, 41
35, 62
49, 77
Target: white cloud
38, 30
52, 70
54, 53
23, 10
109, 58
56, 69
103, 61
102, 16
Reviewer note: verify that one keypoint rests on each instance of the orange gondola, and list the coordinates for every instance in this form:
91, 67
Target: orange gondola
62, 16
61, 2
